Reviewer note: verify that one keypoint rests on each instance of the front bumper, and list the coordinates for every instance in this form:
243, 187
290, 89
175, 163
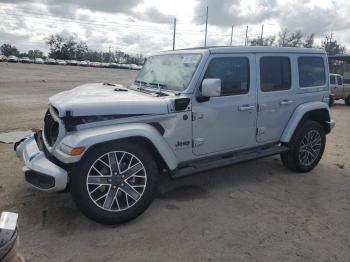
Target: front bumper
39, 171
329, 126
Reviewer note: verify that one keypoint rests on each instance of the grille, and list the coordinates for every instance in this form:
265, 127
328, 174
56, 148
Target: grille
50, 128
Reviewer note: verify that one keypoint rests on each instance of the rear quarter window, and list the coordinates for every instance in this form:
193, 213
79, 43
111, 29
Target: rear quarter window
346, 81
312, 71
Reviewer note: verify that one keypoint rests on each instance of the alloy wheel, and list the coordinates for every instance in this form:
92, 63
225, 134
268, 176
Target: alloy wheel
310, 147
116, 181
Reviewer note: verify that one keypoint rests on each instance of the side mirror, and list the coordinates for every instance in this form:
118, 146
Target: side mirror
211, 87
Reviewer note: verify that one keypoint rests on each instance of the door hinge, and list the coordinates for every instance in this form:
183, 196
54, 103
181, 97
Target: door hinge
196, 116
198, 142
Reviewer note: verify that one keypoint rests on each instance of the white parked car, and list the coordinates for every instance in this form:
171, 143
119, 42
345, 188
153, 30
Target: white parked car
135, 67
50, 61
61, 62
187, 111
95, 64
38, 61
12, 59
25, 60
3, 58
72, 62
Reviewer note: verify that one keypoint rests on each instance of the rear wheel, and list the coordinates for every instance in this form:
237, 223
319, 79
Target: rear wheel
306, 147
347, 101
114, 182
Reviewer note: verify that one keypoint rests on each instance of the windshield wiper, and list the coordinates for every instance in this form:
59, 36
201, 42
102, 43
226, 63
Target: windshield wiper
160, 86
140, 85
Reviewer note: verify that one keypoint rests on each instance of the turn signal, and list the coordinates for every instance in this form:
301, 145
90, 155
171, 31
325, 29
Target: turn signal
76, 151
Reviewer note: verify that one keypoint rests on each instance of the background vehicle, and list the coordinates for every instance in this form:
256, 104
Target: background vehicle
25, 60
187, 111
38, 61
3, 58
135, 67
60, 62
82, 63
95, 64
72, 62
339, 89
50, 61
12, 59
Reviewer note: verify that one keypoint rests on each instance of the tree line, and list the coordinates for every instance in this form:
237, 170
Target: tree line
286, 38
71, 48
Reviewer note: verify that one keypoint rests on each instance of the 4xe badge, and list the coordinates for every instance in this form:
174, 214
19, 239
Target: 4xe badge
182, 144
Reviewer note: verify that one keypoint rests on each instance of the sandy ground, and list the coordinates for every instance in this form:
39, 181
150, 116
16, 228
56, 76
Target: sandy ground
255, 211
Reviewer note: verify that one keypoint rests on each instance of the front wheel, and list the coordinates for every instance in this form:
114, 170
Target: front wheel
114, 182
306, 147
331, 101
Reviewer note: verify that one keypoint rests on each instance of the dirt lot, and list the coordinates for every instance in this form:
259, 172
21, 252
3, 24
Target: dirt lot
255, 211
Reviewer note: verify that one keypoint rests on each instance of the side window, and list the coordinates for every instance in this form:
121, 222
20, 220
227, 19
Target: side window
332, 80
346, 81
233, 72
275, 73
340, 80
311, 71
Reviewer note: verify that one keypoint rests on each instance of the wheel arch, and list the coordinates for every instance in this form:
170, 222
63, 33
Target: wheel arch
316, 111
141, 140
144, 134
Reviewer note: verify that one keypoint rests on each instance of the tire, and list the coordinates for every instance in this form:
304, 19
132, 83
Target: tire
298, 157
125, 173
331, 101
347, 101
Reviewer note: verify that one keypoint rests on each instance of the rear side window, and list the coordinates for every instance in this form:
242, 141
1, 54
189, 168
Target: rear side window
275, 73
346, 81
340, 81
311, 71
332, 80
233, 72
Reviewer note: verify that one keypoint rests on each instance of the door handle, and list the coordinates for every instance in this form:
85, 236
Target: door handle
246, 108
286, 102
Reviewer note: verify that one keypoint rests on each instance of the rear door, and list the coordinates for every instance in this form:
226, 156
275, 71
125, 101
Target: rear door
276, 101
339, 88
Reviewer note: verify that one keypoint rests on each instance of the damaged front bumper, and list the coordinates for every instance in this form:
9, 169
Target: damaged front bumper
38, 170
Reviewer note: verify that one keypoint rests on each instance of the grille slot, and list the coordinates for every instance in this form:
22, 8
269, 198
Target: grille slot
51, 128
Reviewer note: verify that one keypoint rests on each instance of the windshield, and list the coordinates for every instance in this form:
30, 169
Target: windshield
172, 72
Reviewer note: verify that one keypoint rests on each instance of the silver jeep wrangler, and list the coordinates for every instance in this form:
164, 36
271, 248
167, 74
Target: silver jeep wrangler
186, 112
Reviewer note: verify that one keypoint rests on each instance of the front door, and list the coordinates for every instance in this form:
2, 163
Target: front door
227, 122
276, 100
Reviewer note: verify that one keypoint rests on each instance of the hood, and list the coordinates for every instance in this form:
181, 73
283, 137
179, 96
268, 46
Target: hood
102, 99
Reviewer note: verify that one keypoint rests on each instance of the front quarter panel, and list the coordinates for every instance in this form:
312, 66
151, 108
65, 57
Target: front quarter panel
89, 137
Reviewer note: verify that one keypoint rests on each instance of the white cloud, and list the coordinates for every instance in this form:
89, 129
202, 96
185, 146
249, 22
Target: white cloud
146, 25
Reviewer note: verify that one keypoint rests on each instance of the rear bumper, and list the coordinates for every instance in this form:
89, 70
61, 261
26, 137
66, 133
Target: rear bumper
38, 170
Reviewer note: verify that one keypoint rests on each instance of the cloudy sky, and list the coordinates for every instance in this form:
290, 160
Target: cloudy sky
145, 26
